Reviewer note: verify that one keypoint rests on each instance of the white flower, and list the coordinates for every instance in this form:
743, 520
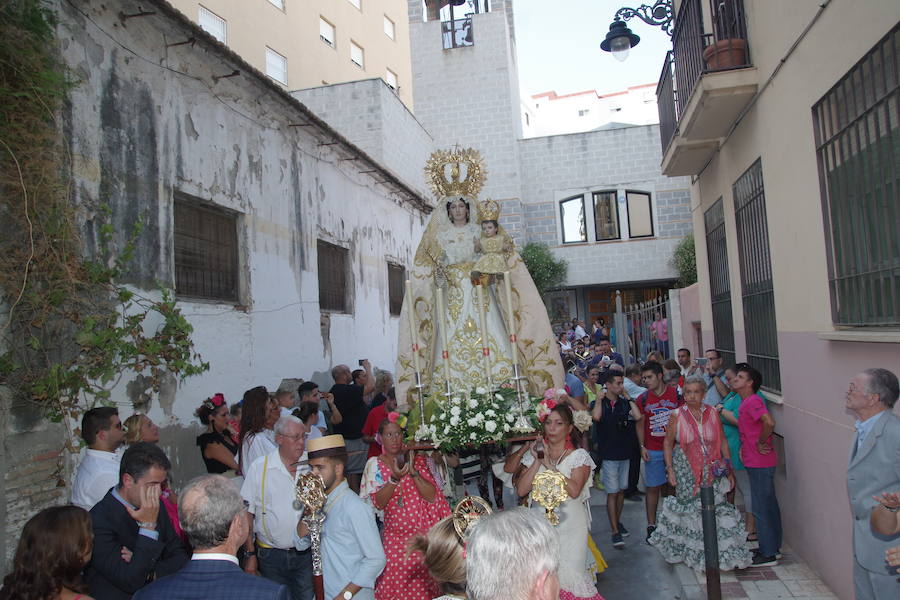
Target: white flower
480, 390
473, 422
490, 426
582, 420
473, 403
498, 396
454, 421
447, 430
455, 411
510, 417
456, 401
472, 436
490, 413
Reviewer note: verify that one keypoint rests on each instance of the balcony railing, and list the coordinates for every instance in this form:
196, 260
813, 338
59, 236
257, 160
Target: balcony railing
695, 53
665, 102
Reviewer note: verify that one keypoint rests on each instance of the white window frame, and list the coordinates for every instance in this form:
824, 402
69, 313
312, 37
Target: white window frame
279, 4
388, 75
325, 28
361, 63
356, 4
205, 12
390, 28
273, 54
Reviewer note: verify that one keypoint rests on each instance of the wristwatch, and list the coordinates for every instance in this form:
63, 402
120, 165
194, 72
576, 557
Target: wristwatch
347, 595
147, 524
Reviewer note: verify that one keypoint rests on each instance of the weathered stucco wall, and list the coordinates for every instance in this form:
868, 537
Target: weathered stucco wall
146, 121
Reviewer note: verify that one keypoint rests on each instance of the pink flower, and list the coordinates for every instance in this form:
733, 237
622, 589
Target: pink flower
393, 416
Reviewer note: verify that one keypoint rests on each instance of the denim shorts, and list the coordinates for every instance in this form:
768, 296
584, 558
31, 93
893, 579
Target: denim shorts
655, 469
615, 475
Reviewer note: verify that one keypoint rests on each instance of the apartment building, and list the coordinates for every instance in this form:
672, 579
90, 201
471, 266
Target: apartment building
788, 128
309, 43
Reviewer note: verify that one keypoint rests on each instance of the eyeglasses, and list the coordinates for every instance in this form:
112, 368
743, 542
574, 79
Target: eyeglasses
296, 437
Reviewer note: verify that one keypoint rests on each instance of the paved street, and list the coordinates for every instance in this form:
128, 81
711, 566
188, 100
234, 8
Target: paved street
638, 572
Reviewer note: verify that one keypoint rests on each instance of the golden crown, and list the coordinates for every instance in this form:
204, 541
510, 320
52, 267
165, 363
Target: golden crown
489, 210
436, 172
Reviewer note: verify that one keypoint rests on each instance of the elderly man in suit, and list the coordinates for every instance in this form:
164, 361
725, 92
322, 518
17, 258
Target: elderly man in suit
874, 469
215, 521
128, 521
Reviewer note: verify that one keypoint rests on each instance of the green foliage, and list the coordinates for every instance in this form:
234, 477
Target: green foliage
685, 262
72, 329
546, 270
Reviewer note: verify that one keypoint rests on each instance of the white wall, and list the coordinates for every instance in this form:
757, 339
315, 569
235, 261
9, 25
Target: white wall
141, 133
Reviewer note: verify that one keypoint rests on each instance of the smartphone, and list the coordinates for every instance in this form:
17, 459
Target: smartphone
361, 361
701, 362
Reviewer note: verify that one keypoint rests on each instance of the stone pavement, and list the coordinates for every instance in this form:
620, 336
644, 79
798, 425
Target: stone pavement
638, 572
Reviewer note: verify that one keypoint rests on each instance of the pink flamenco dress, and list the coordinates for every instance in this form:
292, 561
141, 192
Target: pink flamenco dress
406, 514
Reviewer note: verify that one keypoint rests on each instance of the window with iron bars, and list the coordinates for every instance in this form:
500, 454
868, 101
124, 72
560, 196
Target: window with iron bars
396, 285
206, 251
757, 289
333, 265
719, 281
857, 140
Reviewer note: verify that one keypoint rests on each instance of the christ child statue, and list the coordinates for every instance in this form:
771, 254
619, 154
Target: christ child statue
492, 245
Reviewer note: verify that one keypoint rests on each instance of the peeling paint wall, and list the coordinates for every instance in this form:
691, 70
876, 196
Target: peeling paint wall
147, 121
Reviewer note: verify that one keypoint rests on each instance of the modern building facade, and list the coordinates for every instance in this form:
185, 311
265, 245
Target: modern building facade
789, 130
308, 43
550, 113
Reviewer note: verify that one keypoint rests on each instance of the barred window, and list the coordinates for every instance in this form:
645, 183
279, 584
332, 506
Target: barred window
571, 213
606, 216
396, 286
719, 281
333, 264
206, 252
858, 144
758, 292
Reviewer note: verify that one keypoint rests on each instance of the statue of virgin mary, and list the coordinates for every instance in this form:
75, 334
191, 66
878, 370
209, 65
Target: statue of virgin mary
444, 301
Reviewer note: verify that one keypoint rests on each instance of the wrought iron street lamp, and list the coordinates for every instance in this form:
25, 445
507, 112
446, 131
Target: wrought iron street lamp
620, 39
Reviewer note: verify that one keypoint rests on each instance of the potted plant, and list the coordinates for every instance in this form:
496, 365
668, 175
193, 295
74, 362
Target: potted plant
726, 54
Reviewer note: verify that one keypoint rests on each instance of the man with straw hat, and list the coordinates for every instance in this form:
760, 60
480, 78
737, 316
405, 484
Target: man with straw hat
352, 555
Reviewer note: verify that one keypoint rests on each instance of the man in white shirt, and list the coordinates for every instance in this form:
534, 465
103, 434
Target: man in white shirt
269, 491
102, 430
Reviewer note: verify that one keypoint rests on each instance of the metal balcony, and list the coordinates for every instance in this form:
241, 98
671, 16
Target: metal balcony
706, 81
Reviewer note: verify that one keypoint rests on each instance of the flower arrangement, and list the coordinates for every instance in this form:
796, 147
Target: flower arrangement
476, 418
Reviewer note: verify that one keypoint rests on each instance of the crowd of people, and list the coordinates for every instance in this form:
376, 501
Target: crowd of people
389, 533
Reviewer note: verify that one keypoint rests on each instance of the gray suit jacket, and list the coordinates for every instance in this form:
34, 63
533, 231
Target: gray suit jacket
874, 469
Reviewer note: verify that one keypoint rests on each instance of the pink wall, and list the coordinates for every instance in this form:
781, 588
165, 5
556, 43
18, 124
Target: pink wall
689, 298
817, 434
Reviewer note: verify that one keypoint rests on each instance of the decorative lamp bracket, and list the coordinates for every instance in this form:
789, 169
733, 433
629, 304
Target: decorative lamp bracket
661, 14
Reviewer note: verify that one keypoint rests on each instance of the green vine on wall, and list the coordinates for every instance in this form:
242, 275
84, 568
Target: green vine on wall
69, 330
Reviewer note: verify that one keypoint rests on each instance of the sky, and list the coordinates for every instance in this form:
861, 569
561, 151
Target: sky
559, 47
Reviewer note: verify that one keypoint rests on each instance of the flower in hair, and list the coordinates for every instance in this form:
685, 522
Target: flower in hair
545, 407
397, 418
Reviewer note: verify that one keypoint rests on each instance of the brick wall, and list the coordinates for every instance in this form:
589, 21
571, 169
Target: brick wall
32, 462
